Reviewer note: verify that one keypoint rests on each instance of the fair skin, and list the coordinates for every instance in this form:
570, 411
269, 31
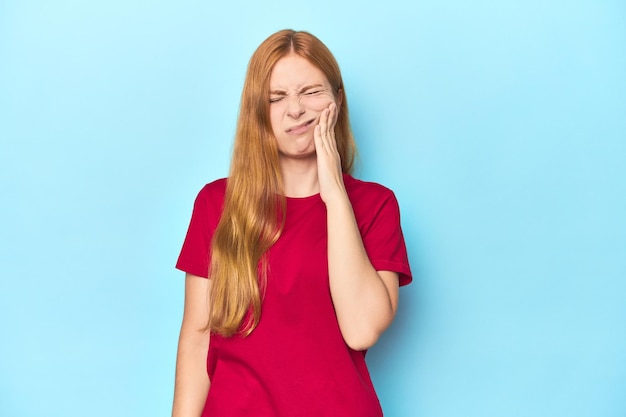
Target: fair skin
299, 93
192, 382
303, 113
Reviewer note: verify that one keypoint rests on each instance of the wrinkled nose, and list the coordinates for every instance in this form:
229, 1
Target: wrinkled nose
294, 107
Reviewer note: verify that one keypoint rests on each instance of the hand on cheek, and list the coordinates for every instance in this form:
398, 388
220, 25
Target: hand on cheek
328, 159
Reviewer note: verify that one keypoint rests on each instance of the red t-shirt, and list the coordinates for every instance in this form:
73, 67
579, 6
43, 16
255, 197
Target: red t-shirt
295, 363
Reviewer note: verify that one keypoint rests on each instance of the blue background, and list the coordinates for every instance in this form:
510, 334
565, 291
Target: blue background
500, 125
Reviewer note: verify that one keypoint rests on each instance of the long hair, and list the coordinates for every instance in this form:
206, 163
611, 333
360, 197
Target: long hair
253, 215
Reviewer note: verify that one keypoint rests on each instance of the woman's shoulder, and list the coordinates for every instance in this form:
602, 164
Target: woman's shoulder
216, 187
213, 192
360, 189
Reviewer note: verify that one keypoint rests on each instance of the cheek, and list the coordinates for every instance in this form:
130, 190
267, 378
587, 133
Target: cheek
275, 119
320, 103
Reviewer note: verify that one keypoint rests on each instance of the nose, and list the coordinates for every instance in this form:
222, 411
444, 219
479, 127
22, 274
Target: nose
295, 108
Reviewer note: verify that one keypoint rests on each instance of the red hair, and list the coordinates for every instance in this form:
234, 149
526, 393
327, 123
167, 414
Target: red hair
254, 206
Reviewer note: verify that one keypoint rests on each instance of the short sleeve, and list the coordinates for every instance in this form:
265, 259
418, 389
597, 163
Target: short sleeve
384, 241
383, 238
195, 253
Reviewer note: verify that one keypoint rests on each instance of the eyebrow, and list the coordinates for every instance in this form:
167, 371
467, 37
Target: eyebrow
302, 90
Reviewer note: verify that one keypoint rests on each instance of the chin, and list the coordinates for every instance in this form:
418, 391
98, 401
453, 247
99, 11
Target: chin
304, 150
299, 154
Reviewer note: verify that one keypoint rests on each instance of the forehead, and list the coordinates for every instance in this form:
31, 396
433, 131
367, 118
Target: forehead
293, 72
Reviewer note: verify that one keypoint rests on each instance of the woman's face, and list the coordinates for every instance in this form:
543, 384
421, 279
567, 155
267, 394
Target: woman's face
299, 92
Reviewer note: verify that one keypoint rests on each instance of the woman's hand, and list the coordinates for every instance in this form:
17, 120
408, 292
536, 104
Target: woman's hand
365, 300
328, 160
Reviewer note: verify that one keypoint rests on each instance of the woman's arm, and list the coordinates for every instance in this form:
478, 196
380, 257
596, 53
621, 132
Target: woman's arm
365, 300
192, 382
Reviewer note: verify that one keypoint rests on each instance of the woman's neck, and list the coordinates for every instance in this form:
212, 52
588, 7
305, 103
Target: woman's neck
299, 177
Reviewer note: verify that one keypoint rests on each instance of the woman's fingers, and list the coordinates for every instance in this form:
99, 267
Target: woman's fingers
324, 123
327, 122
328, 159
317, 136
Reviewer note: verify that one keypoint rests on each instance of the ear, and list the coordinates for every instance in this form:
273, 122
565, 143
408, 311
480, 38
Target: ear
339, 98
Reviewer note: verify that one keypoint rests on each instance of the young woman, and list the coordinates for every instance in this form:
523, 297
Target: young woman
303, 261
